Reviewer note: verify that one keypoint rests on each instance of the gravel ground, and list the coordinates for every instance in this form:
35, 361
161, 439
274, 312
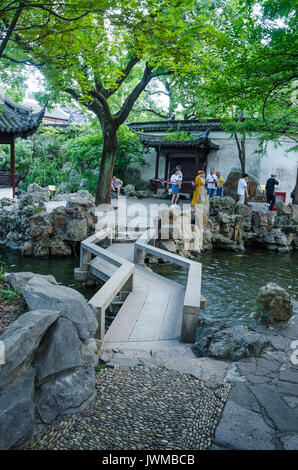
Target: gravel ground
9, 309
141, 408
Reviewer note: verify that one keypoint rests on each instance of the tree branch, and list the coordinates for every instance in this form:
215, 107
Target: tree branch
122, 115
10, 29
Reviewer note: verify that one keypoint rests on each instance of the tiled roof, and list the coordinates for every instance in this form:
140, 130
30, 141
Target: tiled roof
163, 126
159, 141
17, 120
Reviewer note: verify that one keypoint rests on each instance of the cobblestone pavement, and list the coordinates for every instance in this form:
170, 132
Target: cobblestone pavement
141, 408
262, 409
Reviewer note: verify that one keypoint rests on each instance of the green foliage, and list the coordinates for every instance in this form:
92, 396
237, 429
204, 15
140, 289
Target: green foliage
2, 271
73, 155
8, 295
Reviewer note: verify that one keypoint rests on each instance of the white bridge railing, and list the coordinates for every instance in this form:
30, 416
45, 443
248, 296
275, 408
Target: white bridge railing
115, 270
193, 300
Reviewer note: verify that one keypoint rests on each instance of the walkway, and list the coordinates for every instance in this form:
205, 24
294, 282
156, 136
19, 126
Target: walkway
149, 322
140, 408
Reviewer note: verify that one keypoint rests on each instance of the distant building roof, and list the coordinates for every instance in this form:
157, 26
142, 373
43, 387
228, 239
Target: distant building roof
17, 120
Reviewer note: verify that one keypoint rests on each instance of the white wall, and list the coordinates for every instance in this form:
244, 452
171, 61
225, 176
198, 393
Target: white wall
276, 160
225, 159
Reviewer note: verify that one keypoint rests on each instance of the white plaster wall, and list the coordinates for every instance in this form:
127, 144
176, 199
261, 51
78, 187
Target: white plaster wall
276, 160
226, 158
5, 192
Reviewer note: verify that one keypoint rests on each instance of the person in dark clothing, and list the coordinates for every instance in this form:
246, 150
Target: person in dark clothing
270, 190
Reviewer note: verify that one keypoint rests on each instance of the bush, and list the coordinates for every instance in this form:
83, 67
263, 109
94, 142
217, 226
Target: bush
42, 157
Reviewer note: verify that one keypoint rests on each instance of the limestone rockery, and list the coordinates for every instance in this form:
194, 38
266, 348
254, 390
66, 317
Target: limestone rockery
26, 225
234, 229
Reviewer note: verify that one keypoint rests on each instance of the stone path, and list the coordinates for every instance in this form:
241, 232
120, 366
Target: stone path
141, 408
262, 409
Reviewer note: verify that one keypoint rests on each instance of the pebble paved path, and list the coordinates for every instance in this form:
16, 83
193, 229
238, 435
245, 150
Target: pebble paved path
141, 408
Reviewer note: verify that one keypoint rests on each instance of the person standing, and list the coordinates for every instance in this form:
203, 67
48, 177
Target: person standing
220, 184
270, 190
176, 185
199, 183
242, 189
211, 181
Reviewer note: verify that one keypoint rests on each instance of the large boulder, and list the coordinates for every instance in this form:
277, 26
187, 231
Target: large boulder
223, 341
282, 209
65, 394
72, 305
58, 351
21, 340
231, 185
19, 280
275, 304
17, 411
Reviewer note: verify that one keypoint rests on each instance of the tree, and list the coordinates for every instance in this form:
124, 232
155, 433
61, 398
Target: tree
122, 47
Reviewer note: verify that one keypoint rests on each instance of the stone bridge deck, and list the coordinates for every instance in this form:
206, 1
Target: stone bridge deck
149, 321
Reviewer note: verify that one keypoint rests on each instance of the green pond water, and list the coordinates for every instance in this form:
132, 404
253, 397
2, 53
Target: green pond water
230, 281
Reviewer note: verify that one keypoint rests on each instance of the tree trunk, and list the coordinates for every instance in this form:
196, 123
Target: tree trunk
296, 190
110, 144
241, 151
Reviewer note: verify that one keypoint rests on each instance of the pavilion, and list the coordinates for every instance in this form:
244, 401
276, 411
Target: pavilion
15, 121
184, 143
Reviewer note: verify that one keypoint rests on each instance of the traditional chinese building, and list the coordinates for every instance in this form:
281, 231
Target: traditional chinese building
202, 145
15, 121
183, 143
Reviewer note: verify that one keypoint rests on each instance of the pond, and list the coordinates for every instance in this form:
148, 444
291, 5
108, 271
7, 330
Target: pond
230, 281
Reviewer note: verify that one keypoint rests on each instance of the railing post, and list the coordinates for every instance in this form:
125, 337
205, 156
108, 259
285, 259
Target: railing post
101, 319
128, 286
140, 257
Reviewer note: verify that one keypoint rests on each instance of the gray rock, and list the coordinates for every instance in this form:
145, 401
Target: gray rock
290, 442
277, 410
275, 303
19, 280
129, 190
282, 209
21, 340
89, 353
65, 394
58, 351
69, 302
232, 342
38, 193
76, 230
243, 429
26, 200
17, 411
208, 370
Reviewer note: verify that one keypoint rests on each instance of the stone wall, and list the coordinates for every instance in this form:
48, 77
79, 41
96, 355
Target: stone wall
35, 232
50, 355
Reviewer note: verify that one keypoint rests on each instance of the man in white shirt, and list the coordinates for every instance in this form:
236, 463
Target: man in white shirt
211, 181
242, 189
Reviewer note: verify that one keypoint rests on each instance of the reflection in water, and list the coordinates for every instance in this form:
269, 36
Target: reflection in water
230, 281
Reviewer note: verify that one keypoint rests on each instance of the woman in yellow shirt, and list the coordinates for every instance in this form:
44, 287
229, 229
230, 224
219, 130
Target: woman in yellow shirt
199, 182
